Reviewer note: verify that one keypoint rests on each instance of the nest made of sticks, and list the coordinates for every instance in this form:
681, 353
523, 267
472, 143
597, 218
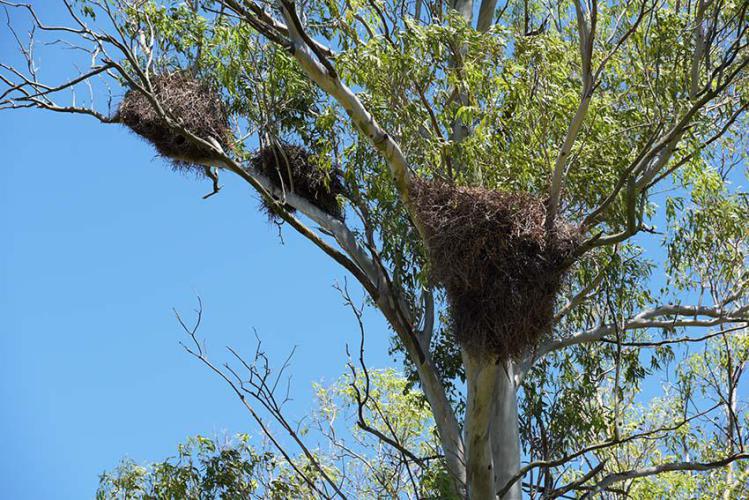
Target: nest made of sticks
290, 169
193, 103
500, 267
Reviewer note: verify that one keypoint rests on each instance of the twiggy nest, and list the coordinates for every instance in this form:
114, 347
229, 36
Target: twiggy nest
499, 265
192, 103
289, 169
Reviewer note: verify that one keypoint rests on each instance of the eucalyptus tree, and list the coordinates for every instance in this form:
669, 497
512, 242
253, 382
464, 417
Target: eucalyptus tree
622, 123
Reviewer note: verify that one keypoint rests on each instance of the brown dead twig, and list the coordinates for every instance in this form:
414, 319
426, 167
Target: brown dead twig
258, 384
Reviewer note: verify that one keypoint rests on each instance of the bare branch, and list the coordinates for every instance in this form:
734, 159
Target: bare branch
199, 353
363, 399
586, 25
658, 469
584, 294
666, 316
680, 340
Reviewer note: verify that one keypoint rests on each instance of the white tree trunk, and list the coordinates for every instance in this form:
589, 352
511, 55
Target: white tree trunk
505, 436
492, 435
481, 377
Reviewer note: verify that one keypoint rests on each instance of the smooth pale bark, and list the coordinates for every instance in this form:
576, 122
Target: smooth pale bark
557, 177
348, 100
586, 29
504, 431
486, 14
699, 48
481, 377
465, 8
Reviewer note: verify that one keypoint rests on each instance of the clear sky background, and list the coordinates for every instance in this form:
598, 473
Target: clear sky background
100, 240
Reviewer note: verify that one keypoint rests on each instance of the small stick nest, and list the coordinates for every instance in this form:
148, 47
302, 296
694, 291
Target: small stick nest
289, 169
499, 265
194, 104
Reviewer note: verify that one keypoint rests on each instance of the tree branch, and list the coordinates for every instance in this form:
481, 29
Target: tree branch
486, 15
329, 82
586, 26
199, 353
658, 469
665, 316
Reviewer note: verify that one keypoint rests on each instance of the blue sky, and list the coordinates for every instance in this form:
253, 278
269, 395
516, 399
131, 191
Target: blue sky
100, 241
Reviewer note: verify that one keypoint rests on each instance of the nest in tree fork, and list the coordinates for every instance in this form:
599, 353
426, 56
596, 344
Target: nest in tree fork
289, 168
194, 104
499, 265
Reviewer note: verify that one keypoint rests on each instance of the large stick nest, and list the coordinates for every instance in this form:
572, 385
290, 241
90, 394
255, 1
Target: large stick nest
192, 103
499, 265
289, 168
